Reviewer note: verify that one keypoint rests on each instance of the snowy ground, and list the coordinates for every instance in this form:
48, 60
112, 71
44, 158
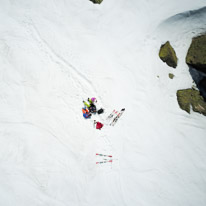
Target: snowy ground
54, 54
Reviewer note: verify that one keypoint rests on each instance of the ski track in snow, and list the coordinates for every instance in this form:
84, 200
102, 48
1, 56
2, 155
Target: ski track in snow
70, 69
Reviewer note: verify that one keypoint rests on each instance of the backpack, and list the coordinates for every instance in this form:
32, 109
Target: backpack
100, 111
87, 115
99, 125
92, 108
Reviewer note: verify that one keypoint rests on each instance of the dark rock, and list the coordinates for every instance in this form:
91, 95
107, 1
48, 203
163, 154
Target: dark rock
199, 79
97, 1
196, 55
190, 97
167, 54
202, 87
171, 76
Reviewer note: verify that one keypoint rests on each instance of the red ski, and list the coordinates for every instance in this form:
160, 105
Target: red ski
103, 162
103, 155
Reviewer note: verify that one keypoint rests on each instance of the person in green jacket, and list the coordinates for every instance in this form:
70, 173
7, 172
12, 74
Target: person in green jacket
87, 104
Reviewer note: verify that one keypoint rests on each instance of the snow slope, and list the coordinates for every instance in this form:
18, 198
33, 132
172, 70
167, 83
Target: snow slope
54, 54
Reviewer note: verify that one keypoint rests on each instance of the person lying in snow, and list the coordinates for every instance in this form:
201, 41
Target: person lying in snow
86, 113
99, 125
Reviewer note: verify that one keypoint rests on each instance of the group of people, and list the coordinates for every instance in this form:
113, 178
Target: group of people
89, 109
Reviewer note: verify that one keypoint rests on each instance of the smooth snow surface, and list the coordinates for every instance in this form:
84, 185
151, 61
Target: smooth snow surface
53, 55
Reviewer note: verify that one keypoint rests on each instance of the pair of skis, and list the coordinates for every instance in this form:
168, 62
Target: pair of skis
114, 116
104, 160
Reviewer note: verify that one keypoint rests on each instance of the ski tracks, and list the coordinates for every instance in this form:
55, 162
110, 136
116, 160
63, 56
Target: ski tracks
81, 80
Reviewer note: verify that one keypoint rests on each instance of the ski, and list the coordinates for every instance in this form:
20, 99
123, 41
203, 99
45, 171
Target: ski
117, 117
103, 155
110, 159
101, 162
111, 115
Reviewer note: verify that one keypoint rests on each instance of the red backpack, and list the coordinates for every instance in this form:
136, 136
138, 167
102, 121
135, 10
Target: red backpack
99, 125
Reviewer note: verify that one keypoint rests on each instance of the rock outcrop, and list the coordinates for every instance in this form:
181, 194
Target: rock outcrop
97, 1
188, 98
196, 55
167, 54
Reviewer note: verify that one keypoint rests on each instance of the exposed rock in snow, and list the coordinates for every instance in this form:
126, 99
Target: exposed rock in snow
171, 76
97, 1
196, 55
190, 97
167, 54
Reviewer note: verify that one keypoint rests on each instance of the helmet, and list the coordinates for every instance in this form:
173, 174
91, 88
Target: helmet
94, 99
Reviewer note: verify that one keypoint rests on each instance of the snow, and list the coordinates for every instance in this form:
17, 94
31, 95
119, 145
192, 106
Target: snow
53, 55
